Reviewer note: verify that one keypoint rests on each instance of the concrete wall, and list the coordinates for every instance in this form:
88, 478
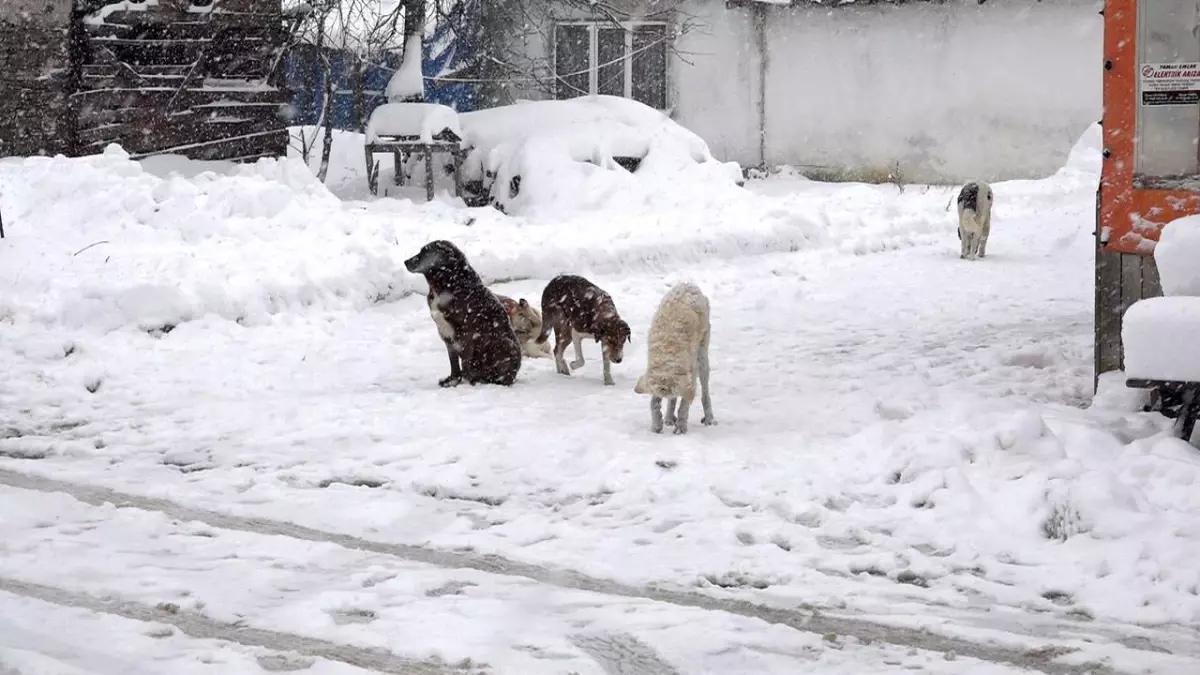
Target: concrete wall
946, 91
949, 91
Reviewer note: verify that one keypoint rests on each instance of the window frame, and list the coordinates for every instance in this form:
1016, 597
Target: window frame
593, 55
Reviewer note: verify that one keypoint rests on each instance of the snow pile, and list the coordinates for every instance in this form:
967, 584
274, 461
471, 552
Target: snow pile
1029, 500
1159, 334
539, 157
103, 242
1086, 156
408, 82
424, 120
1177, 255
100, 242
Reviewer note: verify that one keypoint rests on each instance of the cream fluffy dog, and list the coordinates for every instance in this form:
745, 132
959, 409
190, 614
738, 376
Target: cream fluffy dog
677, 355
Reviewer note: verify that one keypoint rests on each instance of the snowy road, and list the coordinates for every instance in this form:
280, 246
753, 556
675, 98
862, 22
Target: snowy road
234, 583
904, 442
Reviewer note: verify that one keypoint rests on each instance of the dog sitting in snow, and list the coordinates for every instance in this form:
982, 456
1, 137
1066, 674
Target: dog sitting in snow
575, 309
974, 219
527, 323
470, 319
677, 355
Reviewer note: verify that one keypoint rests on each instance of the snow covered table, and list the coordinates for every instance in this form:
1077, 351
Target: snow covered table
400, 129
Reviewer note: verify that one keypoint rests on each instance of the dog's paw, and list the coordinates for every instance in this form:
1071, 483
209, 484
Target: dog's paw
562, 369
656, 427
708, 421
451, 381
608, 382
680, 428
576, 365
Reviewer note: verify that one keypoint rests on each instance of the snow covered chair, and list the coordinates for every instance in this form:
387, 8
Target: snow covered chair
402, 129
1161, 336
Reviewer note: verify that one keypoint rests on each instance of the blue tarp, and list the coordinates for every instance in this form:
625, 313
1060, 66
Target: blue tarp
304, 75
447, 52
449, 57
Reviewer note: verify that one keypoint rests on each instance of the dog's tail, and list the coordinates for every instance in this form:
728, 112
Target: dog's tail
547, 325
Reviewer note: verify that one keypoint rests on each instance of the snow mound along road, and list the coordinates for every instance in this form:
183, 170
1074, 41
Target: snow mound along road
590, 153
103, 242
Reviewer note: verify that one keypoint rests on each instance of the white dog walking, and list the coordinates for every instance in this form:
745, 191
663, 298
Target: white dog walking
974, 219
677, 355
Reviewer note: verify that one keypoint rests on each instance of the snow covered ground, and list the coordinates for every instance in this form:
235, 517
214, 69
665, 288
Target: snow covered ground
906, 439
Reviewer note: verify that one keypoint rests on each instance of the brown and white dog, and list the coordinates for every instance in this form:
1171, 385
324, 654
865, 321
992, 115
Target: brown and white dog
527, 323
575, 309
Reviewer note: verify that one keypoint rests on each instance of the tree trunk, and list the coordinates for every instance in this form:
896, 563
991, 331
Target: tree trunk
359, 85
327, 114
326, 118
414, 18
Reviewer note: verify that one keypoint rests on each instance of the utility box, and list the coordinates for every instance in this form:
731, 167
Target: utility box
1151, 170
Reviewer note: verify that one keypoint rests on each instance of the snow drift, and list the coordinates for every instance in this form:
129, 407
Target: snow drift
591, 152
104, 242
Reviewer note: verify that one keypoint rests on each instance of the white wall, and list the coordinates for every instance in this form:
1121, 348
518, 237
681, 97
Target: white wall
716, 95
950, 91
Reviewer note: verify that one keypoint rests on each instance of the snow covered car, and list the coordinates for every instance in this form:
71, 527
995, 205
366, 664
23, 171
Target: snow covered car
582, 153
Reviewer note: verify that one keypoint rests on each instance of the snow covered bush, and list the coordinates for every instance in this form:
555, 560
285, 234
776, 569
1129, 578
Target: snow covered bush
588, 153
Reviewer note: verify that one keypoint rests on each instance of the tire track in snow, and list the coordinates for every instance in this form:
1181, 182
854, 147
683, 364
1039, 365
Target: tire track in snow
1042, 659
622, 654
199, 626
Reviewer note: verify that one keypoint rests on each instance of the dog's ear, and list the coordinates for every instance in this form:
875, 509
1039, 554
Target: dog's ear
640, 387
522, 302
597, 336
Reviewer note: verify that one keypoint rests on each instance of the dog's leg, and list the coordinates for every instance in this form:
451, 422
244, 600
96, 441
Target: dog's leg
685, 406
983, 237
670, 419
561, 337
656, 416
455, 378
964, 243
709, 418
607, 369
578, 342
